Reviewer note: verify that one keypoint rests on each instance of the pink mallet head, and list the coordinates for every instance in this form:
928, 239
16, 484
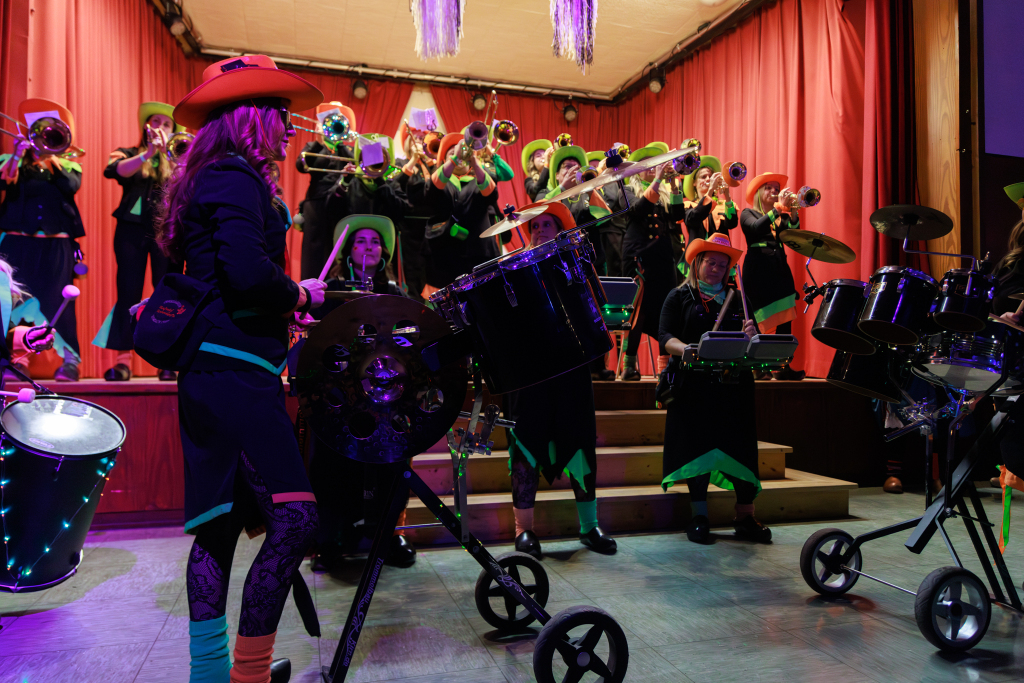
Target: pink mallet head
26, 395
70, 292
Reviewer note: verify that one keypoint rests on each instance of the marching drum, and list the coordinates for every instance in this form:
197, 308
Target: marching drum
867, 375
898, 304
964, 300
549, 295
836, 323
55, 454
971, 361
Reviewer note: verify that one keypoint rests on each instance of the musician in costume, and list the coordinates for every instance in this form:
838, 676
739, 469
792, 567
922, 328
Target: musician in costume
536, 155
710, 428
767, 278
647, 248
413, 249
355, 192
710, 206
348, 491
243, 468
466, 196
612, 230
555, 432
39, 228
141, 171
25, 339
1010, 269
317, 223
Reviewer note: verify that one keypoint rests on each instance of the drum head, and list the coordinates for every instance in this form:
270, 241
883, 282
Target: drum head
63, 426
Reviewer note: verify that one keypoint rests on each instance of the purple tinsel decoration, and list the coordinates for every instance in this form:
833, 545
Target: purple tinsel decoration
438, 27
575, 24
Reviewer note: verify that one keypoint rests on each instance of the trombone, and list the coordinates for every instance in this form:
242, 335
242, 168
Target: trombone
335, 128
177, 146
365, 171
47, 135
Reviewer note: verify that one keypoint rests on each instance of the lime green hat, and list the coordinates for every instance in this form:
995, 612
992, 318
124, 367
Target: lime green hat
561, 154
652, 149
147, 109
1016, 193
690, 181
356, 222
532, 147
594, 158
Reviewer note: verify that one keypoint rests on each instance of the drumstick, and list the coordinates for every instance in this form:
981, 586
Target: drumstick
334, 254
69, 292
1005, 322
725, 307
743, 296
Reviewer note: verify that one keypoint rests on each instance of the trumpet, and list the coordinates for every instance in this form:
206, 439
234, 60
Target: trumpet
563, 140
734, 173
588, 173
686, 164
432, 144
177, 146
505, 132
474, 139
47, 135
805, 197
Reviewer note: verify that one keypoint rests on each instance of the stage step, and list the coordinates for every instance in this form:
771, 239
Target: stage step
616, 466
797, 497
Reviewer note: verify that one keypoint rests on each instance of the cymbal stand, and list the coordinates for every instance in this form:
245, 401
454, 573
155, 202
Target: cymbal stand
974, 261
811, 293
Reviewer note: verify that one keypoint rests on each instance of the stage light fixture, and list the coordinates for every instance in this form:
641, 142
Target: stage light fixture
359, 90
177, 27
479, 102
570, 113
656, 82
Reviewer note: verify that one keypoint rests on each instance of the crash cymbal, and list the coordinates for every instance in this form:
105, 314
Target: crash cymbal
817, 246
1019, 296
623, 171
907, 221
514, 220
363, 386
344, 296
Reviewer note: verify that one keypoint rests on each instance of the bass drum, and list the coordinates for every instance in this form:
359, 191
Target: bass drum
55, 455
836, 322
549, 295
972, 361
867, 375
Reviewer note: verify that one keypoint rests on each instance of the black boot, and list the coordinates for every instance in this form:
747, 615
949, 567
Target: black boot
630, 375
118, 373
599, 541
167, 375
66, 373
788, 373
527, 542
699, 530
280, 671
402, 552
750, 529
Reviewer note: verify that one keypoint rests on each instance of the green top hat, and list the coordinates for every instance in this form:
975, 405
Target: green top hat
561, 154
594, 158
1016, 193
690, 181
147, 109
653, 149
529, 149
356, 222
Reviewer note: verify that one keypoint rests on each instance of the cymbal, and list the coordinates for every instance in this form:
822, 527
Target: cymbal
906, 221
344, 296
513, 221
1019, 296
817, 246
623, 171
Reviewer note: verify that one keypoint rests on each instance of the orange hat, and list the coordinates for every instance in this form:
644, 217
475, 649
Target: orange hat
756, 182
242, 78
447, 142
345, 111
717, 242
37, 105
556, 209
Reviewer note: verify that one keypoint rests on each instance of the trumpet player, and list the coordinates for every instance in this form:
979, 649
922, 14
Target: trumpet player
536, 155
141, 171
421, 147
711, 207
317, 221
767, 278
40, 224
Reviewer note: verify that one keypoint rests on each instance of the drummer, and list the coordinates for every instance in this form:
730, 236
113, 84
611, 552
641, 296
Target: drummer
767, 278
1010, 269
710, 429
555, 432
26, 339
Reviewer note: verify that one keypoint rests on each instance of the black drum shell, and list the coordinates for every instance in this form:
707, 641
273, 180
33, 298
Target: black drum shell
838, 315
964, 300
894, 314
43, 491
867, 375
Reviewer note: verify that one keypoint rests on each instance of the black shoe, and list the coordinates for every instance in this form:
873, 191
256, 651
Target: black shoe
167, 376
66, 373
699, 530
527, 542
788, 373
630, 375
602, 375
280, 671
599, 541
750, 529
402, 552
118, 373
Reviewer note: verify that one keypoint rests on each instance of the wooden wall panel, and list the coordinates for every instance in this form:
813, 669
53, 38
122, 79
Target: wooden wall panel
936, 59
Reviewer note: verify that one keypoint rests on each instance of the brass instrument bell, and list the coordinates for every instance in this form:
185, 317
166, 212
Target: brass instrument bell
177, 146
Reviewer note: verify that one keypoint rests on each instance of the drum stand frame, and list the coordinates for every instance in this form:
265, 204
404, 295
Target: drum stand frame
452, 520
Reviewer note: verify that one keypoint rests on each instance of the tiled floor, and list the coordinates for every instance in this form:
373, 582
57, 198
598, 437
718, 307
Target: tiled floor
729, 612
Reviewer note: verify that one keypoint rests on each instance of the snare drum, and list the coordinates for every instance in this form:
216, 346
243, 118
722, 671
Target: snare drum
867, 375
532, 314
964, 300
972, 361
836, 323
55, 454
898, 304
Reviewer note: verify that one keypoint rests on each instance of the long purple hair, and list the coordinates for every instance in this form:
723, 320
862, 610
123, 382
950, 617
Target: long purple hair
232, 129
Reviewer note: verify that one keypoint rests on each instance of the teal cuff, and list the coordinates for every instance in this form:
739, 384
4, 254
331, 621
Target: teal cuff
208, 649
588, 516
676, 198
502, 170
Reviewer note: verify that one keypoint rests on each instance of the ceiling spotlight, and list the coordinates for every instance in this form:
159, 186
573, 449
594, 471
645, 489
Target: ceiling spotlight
359, 90
177, 27
570, 113
479, 102
656, 82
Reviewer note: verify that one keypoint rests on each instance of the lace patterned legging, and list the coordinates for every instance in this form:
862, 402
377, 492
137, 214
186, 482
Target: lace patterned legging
290, 529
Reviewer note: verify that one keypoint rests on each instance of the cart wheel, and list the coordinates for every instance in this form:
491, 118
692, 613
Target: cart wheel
821, 560
497, 606
953, 609
576, 635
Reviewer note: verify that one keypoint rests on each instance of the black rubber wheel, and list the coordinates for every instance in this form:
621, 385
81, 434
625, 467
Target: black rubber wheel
953, 609
821, 560
497, 606
578, 641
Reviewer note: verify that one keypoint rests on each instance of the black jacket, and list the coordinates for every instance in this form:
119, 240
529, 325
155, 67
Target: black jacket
687, 317
462, 203
321, 184
136, 190
536, 189
43, 202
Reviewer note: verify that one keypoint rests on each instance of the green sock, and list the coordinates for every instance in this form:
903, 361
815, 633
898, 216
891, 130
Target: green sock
629, 362
588, 515
208, 647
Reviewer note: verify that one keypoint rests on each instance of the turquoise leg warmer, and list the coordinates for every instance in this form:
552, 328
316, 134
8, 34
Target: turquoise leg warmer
208, 646
588, 515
